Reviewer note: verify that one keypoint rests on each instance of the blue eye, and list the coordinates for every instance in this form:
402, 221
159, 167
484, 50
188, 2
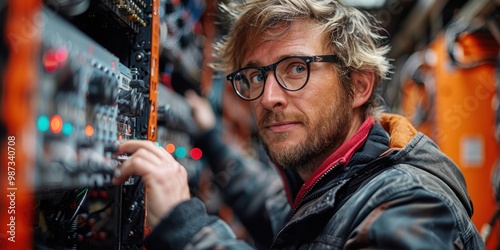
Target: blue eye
257, 78
298, 68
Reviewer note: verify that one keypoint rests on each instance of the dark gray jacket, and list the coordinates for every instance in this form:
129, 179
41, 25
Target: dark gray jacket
397, 191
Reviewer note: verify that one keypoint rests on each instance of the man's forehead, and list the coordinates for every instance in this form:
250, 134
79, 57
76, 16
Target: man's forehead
285, 45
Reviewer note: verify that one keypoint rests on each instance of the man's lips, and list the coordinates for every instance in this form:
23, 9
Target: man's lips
277, 127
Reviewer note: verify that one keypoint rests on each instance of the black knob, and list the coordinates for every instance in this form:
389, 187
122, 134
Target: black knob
130, 103
103, 89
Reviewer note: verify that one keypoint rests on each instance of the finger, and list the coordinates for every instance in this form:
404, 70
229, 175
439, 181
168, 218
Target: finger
132, 146
133, 166
192, 98
148, 155
139, 163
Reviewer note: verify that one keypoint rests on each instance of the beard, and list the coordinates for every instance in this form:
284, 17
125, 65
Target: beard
323, 136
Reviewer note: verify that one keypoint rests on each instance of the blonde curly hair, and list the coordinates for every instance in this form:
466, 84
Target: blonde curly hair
356, 37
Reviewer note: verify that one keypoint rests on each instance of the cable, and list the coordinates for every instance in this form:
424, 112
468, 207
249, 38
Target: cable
487, 228
73, 217
97, 212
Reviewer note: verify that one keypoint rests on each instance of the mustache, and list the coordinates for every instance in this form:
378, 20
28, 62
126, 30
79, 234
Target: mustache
272, 117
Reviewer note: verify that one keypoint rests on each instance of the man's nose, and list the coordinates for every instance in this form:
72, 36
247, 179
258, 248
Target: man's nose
274, 95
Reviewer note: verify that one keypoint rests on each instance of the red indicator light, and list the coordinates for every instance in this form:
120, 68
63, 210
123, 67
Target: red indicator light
49, 61
61, 54
55, 59
196, 153
56, 124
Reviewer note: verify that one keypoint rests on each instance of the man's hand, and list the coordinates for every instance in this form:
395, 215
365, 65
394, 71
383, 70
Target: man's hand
202, 111
165, 179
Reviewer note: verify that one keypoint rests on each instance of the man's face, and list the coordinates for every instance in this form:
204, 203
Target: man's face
302, 126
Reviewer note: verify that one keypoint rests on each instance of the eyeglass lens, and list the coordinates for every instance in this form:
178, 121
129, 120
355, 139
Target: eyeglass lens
291, 73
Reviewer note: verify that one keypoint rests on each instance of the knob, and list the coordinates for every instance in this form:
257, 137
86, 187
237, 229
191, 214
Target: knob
103, 89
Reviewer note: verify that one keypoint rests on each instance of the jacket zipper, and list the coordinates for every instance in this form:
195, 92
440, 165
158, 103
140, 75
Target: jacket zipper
314, 184
376, 161
302, 201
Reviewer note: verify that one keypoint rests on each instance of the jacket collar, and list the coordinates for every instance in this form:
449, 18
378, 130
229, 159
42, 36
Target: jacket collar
393, 132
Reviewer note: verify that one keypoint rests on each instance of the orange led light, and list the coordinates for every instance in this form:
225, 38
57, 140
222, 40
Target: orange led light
170, 148
89, 130
56, 124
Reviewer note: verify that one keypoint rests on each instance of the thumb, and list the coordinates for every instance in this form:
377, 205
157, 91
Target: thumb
192, 98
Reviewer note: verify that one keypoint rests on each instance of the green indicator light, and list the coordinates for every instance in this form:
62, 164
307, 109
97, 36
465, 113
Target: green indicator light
67, 129
43, 123
180, 152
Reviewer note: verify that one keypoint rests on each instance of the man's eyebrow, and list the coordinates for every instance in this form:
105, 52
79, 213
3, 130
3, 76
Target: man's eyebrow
255, 63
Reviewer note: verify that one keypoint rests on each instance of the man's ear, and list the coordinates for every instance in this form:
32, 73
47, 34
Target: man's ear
363, 82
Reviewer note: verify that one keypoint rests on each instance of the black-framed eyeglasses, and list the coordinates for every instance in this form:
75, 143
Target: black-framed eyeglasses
292, 74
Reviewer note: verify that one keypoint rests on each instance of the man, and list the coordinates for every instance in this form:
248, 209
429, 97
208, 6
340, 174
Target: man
353, 177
